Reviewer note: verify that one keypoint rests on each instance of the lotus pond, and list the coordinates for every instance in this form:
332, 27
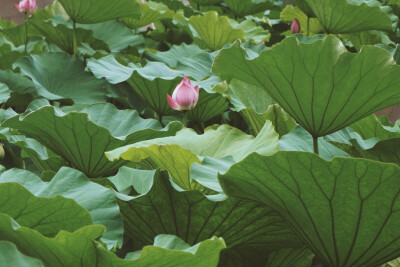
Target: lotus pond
200, 133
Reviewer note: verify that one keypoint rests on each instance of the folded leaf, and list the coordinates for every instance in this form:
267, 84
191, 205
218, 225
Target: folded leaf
176, 154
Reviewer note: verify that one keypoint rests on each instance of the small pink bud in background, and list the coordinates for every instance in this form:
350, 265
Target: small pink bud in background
295, 27
185, 96
27, 6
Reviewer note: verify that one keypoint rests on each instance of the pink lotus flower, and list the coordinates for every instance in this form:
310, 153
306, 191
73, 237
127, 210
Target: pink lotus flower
27, 6
184, 97
295, 27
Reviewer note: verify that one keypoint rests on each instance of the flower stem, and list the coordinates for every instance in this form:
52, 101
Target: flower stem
202, 126
308, 25
315, 145
26, 31
185, 119
160, 120
74, 41
223, 120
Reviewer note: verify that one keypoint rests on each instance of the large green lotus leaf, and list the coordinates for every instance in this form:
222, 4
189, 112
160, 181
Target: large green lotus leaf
114, 34
321, 85
81, 138
176, 54
69, 183
242, 8
177, 154
217, 143
213, 32
45, 215
153, 82
10, 256
193, 216
300, 140
80, 248
60, 34
89, 11
346, 210
151, 12
337, 16
66, 79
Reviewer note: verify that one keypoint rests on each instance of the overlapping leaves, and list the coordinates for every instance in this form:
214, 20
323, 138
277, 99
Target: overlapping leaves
81, 138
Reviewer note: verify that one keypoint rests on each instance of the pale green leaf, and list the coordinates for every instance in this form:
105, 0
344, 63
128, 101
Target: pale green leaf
213, 31
178, 153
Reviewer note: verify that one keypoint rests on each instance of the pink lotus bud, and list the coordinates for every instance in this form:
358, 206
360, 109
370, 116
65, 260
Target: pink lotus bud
295, 27
184, 97
26, 6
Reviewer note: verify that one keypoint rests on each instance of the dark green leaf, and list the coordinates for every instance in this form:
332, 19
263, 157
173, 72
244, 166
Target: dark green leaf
346, 210
316, 82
